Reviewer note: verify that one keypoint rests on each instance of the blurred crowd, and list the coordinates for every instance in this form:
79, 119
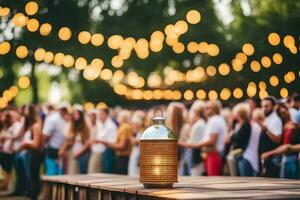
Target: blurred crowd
250, 138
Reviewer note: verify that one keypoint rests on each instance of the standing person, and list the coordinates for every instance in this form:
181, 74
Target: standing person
291, 136
251, 152
6, 153
176, 122
34, 145
107, 131
193, 157
270, 137
296, 117
95, 162
214, 138
78, 141
240, 137
137, 122
21, 163
123, 144
253, 104
53, 134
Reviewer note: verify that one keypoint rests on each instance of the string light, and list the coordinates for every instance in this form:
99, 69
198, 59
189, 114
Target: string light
262, 85
212, 95
84, 37
213, 50
24, 82
64, 33
284, 93
289, 77
201, 94
178, 48
115, 41
193, 17
88, 106
277, 58
181, 27
8, 96
20, 20
289, 41
274, 81
117, 62
224, 69
39, 54
80, 63
68, 61
97, 39
45, 29
154, 80
251, 89
248, 49
21, 52
237, 65
266, 62
241, 57
263, 94
91, 72
192, 47
97, 62
274, 39
49, 56
4, 11
106, 74
3, 102
4, 48
14, 90
225, 94
255, 66
102, 105
211, 70
58, 59
33, 25
176, 95
188, 95
238, 93
31, 8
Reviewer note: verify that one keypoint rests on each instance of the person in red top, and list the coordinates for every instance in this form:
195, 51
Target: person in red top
291, 136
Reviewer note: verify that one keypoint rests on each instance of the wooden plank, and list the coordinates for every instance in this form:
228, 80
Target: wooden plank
110, 186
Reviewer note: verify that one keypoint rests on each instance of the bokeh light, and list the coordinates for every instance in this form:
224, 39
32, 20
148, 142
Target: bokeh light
97, 39
248, 49
45, 29
4, 48
266, 62
31, 8
193, 17
84, 37
224, 69
24, 82
21, 52
274, 81
64, 33
277, 58
274, 39
33, 25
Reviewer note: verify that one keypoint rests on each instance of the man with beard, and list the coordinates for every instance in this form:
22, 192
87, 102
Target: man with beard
271, 136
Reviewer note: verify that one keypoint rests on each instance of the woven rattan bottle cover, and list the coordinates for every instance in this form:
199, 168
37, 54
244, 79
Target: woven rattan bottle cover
158, 156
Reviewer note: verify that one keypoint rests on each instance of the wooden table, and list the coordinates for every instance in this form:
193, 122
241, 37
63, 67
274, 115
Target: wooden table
109, 187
